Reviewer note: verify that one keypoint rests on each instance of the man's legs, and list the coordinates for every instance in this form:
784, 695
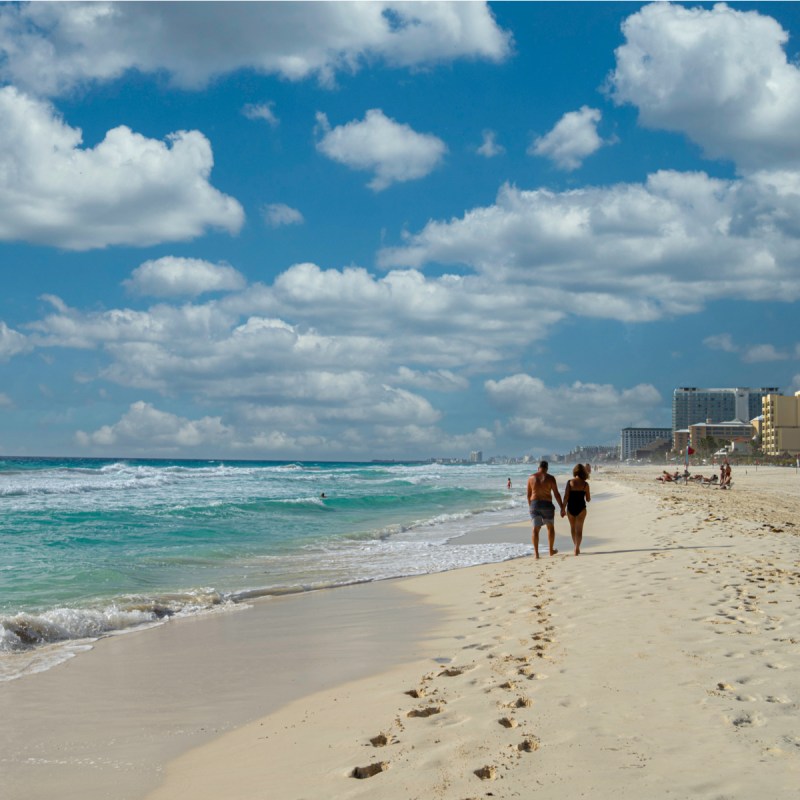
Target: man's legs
551, 537
536, 529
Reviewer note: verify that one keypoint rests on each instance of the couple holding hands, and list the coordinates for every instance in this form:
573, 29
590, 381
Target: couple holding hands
541, 488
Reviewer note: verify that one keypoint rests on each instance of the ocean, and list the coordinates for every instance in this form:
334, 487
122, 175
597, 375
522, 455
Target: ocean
93, 547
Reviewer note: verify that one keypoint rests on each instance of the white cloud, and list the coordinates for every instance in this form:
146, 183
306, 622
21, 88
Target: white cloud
750, 354
573, 138
279, 214
171, 276
128, 189
445, 322
763, 352
578, 412
489, 147
641, 251
5, 401
719, 75
146, 429
263, 111
12, 342
393, 151
52, 47
721, 341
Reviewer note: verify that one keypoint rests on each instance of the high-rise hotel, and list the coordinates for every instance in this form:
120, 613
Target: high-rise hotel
691, 405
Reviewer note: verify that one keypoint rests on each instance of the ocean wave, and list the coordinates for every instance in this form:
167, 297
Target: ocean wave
26, 629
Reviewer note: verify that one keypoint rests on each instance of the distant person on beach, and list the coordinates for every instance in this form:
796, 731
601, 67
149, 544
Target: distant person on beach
541, 488
509, 483
576, 496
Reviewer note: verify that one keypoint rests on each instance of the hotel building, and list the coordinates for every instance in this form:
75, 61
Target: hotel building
780, 429
734, 431
633, 439
691, 405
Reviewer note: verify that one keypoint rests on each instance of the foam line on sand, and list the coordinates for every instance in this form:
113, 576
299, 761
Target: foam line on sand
663, 662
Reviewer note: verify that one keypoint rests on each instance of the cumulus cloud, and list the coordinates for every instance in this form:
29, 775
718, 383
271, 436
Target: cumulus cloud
489, 147
446, 322
573, 138
666, 246
763, 352
393, 151
158, 431
582, 412
128, 189
263, 111
277, 215
12, 342
50, 48
182, 277
323, 380
750, 354
719, 75
721, 341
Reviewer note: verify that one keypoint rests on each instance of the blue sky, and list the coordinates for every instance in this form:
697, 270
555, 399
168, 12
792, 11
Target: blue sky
389, 230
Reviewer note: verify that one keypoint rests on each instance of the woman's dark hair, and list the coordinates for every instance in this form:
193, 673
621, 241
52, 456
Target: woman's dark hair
579, 471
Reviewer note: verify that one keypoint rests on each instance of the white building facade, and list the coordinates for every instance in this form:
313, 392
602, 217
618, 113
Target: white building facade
633, 439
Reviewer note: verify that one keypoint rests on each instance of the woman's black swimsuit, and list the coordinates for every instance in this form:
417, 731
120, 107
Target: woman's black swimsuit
576, 502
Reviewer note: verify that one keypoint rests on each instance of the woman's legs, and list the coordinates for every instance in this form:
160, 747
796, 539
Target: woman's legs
576, 529
572, 520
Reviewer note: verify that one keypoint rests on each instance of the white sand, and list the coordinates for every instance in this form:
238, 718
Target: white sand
661, 663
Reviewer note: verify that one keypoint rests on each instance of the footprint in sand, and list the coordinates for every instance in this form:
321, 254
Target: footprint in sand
369, 771
424, 712
528, 745
749, 721
381, 740
487, 773
453, 672
507, 722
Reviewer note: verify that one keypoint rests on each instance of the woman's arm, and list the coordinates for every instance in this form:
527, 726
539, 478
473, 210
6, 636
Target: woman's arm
588, 493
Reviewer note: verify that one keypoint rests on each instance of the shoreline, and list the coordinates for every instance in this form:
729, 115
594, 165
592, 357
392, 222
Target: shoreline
579, 656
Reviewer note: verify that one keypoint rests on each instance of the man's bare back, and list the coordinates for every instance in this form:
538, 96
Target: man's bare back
541, 488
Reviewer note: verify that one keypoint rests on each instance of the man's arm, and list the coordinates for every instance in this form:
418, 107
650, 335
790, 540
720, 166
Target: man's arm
530, 489
557, 494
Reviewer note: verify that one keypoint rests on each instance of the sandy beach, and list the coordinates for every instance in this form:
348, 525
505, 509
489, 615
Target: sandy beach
663, 662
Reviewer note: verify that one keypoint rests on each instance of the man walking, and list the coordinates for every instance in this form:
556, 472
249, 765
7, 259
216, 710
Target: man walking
541, 488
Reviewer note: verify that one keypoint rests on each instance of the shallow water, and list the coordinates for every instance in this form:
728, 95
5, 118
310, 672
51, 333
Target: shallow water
94, 547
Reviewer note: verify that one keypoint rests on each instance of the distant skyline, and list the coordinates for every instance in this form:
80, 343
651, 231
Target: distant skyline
373, 230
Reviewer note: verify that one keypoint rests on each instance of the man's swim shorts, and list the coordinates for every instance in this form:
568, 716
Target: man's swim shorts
543, 512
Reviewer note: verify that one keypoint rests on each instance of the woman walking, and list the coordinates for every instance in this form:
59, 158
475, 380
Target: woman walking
576, 496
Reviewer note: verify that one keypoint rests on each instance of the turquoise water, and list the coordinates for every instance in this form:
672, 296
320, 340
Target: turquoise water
95, 547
